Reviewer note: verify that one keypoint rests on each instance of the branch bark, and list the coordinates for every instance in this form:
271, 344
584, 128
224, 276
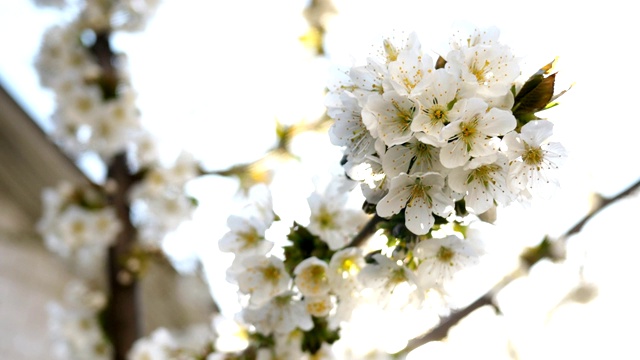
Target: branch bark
367, 230
123, 318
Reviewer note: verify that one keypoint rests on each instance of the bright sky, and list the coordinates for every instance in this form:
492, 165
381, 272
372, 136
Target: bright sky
213, 80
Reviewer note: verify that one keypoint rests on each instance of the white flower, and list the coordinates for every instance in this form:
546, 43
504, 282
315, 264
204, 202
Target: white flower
422, 195
367, 80
348, 130
483, 180
330, 220
409, 72
311, 277
394, 286
441, 258
74, 325
263, 279
318, 306
157, 346
434, 107
374, 181
474, 131
484, 67
76, 228
413, 157
246, 237
533, 160
393, 114
281, 315
470, 37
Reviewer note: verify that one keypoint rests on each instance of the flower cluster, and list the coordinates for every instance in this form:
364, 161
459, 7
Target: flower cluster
86, 118
77, 222
95, 104
76, 331
159, 200
422, 134
434, 144
294, 302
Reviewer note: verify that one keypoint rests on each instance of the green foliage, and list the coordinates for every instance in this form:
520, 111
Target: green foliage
304, 245
320, 333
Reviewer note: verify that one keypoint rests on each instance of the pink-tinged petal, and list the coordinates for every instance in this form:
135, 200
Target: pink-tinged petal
418, 216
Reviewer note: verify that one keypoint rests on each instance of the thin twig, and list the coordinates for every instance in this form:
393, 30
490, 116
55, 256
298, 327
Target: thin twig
441, 331
367, 230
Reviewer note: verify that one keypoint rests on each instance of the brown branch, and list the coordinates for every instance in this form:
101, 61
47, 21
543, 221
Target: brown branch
603, 203
123, 319
367, 230
441, 331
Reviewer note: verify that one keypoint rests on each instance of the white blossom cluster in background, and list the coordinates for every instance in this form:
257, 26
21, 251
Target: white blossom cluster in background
159, 202
86, 119
421, 134
77, 225
127, 15
74, 324
96, 113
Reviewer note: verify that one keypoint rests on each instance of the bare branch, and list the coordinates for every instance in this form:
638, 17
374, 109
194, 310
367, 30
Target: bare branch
441, 331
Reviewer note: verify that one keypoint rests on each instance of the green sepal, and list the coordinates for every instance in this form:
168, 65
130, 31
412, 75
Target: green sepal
440, 63
535, 95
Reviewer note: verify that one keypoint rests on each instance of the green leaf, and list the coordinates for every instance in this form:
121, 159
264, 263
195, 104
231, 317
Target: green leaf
441, 62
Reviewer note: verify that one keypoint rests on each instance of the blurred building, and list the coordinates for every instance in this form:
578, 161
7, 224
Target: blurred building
30, 276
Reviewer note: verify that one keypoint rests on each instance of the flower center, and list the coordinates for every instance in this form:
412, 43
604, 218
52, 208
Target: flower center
438, 114
483, 174
405, 116
532, 155
445, 255
480, 72
271, 273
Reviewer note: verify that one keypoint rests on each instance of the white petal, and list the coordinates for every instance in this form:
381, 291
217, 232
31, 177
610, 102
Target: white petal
418, 216
454, 154
396, 199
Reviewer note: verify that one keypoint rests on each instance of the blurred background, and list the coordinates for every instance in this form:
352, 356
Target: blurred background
214, 79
